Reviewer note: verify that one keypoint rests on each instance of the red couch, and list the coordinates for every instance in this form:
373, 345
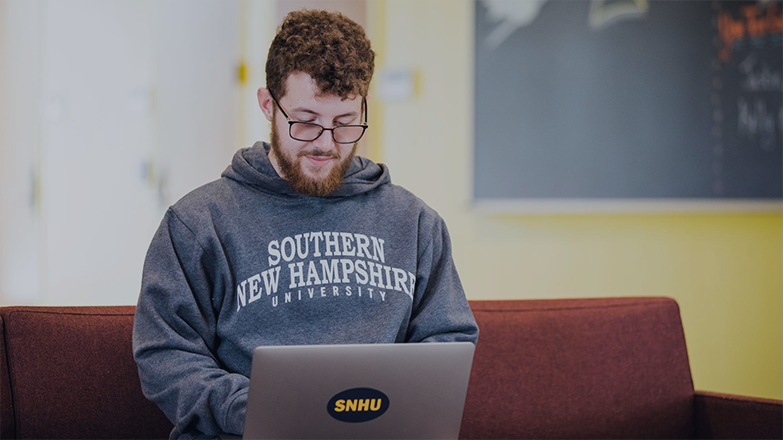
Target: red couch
571, 368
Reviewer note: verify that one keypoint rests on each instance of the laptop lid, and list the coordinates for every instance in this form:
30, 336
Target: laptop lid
366, 391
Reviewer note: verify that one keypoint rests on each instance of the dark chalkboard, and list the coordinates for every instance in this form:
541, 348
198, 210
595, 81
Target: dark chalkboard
628, 100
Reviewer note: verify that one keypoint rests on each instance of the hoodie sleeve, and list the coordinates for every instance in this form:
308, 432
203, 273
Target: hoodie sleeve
440, 310
174, 338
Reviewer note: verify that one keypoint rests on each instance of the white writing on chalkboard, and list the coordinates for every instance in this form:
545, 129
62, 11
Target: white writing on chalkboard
758, 77
756, 122
513, 15
758, 21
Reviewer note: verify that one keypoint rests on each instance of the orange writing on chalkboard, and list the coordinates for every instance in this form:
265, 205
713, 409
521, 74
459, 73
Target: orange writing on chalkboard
755, 22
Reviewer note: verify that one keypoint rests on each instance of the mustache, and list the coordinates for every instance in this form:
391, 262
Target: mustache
319, 153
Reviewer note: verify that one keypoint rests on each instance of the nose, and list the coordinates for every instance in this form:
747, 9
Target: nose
325, 141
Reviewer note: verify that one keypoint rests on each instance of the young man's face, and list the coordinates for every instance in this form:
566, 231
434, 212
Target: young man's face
317, 167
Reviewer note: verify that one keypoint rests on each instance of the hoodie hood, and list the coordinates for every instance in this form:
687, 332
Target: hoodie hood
251, 166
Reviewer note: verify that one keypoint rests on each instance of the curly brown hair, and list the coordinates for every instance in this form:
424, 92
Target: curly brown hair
328, 46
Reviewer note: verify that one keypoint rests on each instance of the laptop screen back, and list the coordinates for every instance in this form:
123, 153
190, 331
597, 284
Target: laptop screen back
358, 391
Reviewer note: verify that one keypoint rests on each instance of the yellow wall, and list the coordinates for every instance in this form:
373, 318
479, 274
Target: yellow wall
725, 270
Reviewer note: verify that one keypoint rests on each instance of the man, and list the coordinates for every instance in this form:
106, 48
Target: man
299, 242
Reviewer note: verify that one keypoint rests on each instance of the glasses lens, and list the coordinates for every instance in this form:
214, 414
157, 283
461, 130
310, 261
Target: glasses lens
305, 132
348, 134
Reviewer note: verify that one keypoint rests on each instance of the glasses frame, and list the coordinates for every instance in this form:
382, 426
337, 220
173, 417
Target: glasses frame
291, 124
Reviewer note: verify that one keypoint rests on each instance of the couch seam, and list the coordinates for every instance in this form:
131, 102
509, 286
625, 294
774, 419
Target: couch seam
754, 402
52, 312
611, 306
710, 396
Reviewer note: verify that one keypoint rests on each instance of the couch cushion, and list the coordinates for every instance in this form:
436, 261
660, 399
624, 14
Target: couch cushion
6, 410
582, 368
72, 374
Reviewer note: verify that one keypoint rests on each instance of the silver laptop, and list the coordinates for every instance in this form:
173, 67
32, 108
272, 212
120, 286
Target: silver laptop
367, 391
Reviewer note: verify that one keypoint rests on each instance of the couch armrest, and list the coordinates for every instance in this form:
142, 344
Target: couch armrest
737, 417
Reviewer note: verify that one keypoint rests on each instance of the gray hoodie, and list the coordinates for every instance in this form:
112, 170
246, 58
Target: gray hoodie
246, 261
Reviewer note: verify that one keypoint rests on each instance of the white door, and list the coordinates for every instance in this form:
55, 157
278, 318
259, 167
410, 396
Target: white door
138, 107
98, 207
111, 110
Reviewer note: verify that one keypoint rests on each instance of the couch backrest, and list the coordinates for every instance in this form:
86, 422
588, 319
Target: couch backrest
582, 368
585, 368
72, 375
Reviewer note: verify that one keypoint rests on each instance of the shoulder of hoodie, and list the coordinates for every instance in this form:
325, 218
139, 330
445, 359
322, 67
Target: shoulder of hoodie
200, 207
410, 204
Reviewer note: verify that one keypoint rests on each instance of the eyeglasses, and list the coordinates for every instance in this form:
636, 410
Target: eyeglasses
308, 131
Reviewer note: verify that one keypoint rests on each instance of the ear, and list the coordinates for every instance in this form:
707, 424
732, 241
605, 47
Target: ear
266, 103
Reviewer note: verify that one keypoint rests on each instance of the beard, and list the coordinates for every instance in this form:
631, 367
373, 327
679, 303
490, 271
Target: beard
291, 167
